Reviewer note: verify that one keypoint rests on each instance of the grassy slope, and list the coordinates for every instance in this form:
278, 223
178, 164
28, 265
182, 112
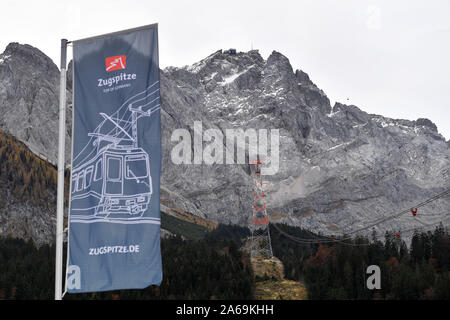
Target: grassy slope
189, 230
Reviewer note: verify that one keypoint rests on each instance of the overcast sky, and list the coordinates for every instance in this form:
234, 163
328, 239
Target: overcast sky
387, 57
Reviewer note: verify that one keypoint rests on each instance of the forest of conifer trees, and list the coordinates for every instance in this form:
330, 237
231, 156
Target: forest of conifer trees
420, 270
212, 268
216, 268
28, 177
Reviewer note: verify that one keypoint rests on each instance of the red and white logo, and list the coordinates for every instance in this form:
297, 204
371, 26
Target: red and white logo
115, 63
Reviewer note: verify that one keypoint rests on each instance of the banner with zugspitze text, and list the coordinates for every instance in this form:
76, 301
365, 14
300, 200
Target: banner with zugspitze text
114, 222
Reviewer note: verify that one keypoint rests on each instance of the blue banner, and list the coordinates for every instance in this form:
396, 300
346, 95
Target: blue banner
114, 233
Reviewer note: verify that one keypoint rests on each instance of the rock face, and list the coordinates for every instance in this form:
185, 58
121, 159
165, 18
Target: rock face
22, 220
340, 167
29, 99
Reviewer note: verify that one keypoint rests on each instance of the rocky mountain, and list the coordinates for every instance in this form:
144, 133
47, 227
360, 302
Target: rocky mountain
29, 99
340, 167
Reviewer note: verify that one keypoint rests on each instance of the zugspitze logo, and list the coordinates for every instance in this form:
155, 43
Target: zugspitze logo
115, 63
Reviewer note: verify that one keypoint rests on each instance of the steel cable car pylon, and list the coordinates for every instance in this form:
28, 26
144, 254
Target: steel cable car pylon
260, 245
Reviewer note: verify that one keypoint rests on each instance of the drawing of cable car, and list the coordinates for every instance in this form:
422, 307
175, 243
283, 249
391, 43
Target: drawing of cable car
103, 183
113, 179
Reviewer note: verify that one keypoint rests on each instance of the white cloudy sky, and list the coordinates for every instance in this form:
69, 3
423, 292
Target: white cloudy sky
389, 57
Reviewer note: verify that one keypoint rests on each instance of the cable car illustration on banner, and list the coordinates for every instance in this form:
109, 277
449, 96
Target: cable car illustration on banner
111, 176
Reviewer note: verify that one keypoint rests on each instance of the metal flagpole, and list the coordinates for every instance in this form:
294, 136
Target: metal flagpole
60, 194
